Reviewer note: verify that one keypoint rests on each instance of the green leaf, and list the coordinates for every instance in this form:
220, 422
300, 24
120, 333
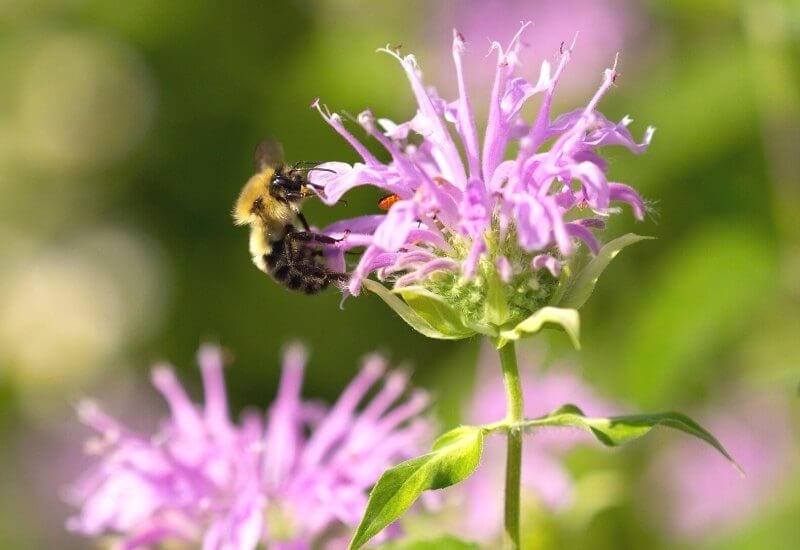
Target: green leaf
446, 542
454, 457
435, 311
405, 312
568, 319
583, 282
617, 430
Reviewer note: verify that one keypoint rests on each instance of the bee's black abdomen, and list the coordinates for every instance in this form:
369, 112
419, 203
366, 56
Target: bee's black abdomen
298, 268
282, 273
315, 287
295, 281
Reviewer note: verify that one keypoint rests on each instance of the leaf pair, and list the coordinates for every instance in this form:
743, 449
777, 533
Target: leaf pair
456, 455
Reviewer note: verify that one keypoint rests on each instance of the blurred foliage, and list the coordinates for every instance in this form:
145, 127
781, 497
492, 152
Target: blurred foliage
127, 129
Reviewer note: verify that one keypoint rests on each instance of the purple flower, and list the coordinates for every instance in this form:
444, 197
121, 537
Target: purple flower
298, 479
703, 497
514, 206
545, 479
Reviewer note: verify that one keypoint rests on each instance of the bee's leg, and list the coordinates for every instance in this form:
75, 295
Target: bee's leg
308, 236
303, 221
320, 252
338, 277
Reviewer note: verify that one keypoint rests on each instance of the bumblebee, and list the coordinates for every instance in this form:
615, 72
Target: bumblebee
270, 204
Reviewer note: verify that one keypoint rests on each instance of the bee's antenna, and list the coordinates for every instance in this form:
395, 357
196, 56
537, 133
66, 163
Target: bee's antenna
296, 169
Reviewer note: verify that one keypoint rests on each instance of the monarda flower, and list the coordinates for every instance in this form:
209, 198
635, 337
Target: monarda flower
295, 480
484, 231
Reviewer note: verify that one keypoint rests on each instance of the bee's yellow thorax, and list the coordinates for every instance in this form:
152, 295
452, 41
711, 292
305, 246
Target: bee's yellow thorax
257, 186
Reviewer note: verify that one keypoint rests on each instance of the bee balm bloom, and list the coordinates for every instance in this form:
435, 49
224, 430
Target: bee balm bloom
289, 481
508, 206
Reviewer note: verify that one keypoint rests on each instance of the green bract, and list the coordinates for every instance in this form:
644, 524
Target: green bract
577, 289
449, 307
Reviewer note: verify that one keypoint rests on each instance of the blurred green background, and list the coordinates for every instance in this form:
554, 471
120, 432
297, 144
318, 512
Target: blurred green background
127, 130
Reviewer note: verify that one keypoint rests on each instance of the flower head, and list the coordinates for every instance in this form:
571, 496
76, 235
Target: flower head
512, 205
289, 481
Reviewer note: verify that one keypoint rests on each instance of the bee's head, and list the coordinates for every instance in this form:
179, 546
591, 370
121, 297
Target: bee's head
290, 187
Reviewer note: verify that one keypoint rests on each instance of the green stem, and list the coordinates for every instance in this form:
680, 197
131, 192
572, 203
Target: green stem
514, 415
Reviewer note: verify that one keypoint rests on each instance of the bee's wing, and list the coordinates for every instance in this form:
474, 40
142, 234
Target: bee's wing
268, 153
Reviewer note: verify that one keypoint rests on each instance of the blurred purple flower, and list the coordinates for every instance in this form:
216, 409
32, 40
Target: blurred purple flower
606, 27
544, 477
465, 209
290, 482
704, 496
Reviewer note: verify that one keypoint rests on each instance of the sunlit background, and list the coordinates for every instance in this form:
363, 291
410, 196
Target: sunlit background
127, 129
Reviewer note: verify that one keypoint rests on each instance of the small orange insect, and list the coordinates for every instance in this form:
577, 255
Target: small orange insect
385, 203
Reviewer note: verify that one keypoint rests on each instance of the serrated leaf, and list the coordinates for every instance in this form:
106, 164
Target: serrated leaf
568, 319
435, 311
617, 430
405, 312
455, 456
447, 542
584, 281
